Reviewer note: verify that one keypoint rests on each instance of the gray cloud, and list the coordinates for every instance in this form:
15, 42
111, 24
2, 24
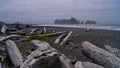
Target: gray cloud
48, 10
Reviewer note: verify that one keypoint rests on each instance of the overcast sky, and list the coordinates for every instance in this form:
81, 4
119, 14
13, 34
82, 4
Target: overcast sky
46, 11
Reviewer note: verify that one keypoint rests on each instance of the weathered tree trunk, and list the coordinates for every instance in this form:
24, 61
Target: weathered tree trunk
33, 30
113, 50
80, 64
45, 57
66, 38
66, 63
100, 56
14, 53
3, 29
44, 30
9, 36
40, 44
59, 39
52, 34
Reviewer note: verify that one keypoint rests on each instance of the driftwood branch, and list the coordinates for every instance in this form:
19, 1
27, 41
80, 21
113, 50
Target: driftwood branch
3, 29
66, 38
52, 34
8, 37
59, 39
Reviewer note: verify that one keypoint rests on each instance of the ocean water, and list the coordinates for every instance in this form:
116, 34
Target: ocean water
90, 26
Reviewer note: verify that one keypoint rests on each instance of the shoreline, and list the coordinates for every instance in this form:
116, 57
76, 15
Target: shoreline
98, 37
83, 26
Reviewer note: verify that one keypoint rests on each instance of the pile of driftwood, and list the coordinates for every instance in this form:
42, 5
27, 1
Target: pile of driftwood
45, 56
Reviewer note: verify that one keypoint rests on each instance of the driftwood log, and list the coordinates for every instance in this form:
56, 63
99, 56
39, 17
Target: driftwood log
59, 39
66, 38
14, 53
3, 29
46, 57
33, 30
100, 56
44, 29
80, 64
10, 36
52, 34
113, 50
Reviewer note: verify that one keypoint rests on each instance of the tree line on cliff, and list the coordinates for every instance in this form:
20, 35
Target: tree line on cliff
73, 20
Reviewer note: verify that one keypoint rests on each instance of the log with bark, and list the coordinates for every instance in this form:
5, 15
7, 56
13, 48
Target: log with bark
100, 56
14, 53
66, 38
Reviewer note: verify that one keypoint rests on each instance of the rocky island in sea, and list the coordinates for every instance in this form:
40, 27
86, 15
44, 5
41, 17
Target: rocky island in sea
72, 20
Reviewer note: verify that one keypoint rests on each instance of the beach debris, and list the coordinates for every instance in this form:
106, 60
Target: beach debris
9, 36
46, 57
100, 56
33, 30
113, 50
53, 34
59, 39
40, 44
66, 38
87, 29
66, 62
80, 64
3, 29
45, 29
14, 53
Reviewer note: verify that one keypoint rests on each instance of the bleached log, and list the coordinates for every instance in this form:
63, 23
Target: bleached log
52, 34
100, 56
3, 29
14, 53
113, 50
33, 30
66, 63
9, 36
59, 39
44, 29
44, 51
40, 44
80, 64
66, 38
